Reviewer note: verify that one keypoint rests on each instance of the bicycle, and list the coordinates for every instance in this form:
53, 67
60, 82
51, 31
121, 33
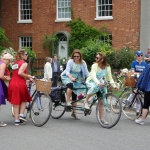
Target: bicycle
40, 108
111, 111
129, 100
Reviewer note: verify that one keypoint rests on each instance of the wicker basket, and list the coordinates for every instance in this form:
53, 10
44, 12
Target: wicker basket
129, 80
43, 86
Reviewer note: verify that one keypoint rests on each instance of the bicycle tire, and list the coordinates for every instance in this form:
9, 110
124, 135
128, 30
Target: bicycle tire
111, 117
130, 110
58, 108
41, 108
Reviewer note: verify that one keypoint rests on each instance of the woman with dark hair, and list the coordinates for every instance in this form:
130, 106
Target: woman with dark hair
76, 71
100, 71
18, 94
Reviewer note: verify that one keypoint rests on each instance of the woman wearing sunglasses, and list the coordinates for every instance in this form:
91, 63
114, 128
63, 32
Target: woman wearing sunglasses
76, 71
4, 62
18, 94
100, 71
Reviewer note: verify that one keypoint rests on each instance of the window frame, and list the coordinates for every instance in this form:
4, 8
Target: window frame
62, 19
19, 14
102, 17
110, 38
20, 42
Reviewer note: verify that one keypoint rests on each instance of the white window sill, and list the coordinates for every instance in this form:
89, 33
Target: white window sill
24, 21
62, 20
104, 18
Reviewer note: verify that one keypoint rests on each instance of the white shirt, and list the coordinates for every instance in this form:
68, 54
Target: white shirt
48, 71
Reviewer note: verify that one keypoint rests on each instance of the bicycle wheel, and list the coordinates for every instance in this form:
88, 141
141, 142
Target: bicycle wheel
129, 106
109, 114
58, 108
40, 110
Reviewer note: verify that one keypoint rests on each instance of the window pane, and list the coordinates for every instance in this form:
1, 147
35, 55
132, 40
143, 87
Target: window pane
25, 9
64, 9
26, 42
104, 8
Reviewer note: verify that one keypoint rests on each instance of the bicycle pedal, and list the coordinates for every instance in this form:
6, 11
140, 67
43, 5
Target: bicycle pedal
68, 109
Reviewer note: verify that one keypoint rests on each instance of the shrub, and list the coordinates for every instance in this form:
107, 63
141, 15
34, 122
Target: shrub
3, 39
81, 33
93, 46
121, 59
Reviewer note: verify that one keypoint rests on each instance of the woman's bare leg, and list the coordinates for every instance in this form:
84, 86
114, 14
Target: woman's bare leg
69, 93
16, 111
144, 113
23, 107
101, 110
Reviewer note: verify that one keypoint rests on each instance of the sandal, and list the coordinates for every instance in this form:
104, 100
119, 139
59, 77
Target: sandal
2, 124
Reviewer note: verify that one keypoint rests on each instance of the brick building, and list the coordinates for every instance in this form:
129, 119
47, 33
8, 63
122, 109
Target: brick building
26, 21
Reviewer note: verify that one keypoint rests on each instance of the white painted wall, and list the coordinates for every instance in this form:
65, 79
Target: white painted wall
145, 26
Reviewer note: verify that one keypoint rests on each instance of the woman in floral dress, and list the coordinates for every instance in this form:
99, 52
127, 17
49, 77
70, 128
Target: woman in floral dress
5, 60
100, 71
76, 71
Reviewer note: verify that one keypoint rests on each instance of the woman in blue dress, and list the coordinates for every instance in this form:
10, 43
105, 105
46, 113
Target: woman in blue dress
76, 71
100, 71
5, 60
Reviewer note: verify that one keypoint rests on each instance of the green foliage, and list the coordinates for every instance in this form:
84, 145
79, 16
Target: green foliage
121, 59
81, 33
3, 39
50, 43
93, 47
9, 50
63, 61
31, 54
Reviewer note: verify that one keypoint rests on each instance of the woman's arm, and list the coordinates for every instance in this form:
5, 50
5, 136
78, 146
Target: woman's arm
109, 77
68, 70
93, 73
86, 72
2, 71
21, 72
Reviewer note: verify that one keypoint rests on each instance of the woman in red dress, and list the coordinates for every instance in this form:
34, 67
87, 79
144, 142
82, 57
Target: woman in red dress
18, 94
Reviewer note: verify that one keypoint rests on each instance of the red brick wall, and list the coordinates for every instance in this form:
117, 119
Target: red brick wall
125, 26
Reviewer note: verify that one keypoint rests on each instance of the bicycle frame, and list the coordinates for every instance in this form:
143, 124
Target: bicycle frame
80, 108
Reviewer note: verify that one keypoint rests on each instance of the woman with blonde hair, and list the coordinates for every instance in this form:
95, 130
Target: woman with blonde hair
76, 70
4, 62
18, 94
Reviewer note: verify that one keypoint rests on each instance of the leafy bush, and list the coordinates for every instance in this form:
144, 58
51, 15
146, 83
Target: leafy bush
93, 46
121, 59
81, 33
50, 43
3, 39
31, 54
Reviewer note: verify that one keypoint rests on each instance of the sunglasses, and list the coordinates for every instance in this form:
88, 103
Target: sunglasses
98, 58
76, 56
139, 55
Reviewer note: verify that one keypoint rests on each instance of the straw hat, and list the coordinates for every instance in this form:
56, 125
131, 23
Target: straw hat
6, 55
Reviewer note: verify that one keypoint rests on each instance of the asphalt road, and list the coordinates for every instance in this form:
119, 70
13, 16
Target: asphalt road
67, 133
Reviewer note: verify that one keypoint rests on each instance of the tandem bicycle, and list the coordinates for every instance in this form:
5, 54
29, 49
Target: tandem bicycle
111, 110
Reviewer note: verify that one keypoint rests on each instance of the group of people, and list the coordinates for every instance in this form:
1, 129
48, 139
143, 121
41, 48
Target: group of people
75, 73
17, 92
141, 65
52, 69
